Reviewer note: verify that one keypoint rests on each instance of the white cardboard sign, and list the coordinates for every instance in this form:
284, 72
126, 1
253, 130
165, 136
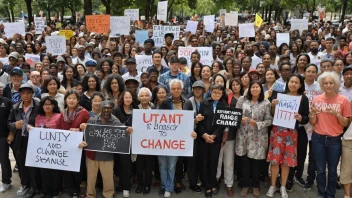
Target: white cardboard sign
285, 110
119, 25
206, 54
132, 13
246, 30
55, 45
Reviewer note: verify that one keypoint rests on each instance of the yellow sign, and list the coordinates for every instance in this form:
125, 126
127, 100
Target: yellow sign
258, 20
67, 33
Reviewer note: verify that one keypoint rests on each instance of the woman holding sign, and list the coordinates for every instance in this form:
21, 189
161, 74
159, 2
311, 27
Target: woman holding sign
283, 141
329, 114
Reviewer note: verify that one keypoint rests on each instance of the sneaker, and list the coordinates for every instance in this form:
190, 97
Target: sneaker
167, 194
289, 186
283, 192
23, 190
308, 186
126, 193
4, 187
271, 191
30, 193
15, 170
58, 195
300, 181
75, 195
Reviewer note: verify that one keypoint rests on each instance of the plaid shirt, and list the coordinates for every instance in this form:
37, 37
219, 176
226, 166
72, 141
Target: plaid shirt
167, 77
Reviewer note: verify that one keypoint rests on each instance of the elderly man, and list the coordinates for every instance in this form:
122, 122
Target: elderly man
35, 79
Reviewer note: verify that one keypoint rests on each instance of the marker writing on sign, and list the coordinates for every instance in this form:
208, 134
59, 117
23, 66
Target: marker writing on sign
162, 118
289, 105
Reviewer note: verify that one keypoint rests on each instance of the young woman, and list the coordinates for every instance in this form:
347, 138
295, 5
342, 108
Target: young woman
115, 69
44, 74
51, 88
246, 63
228, 72
270, 77
113, 87
293, 52
245, 80
301, 62
252, 137
205, 77
261, 70
91, 84
81, 70
339, 64
195, 72
106, 69
283, 141
74, 55
216, 67
70, 78
159, 94
39, 66
95, 100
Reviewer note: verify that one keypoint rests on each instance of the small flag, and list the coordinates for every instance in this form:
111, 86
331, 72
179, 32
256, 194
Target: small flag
258, 20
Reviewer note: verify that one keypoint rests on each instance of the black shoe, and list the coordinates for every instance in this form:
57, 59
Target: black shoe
308, 186
300, 181
178, 190
119, 189
146, 190
161, 192
208, 194
338, 185
289, 186
139, 189
196, 189
182, 186
31, 193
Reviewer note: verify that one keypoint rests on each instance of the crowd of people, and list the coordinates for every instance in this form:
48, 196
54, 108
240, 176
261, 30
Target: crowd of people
97, 82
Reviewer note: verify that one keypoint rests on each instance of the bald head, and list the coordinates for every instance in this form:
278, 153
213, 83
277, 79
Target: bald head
35, 78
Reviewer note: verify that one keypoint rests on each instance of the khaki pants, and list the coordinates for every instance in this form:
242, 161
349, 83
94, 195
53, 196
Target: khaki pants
107, 171
227, 156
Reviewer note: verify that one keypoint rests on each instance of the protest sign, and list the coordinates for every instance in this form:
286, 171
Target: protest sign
159, 32
119, 25
231, 19
132, 13
143, 62
285, 110
162, 132
227, 116
55, 45
192, 26
39, 23
162, 11
206, 54
246, 30
282, 38
98, 23
67, 33
299, 24
103, 138
209, 23
141, 36
54, 149
32, 59
14, 28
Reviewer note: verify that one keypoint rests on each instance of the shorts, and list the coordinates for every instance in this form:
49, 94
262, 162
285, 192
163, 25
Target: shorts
283, 146
346, 162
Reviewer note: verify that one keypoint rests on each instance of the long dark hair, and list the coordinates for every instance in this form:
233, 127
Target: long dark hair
155, 91
85, 82
74, 79
121, 101
107, 84
301, 80
238, 80
52, 101
249, 94
47, 81
194, 64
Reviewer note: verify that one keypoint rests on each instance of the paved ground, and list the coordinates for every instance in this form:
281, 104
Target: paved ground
297, 193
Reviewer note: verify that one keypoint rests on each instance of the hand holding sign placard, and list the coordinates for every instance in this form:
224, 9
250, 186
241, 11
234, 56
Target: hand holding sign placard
159, 32
111, 139
98, 23
55, 45
206, 54
162, 11
285, 110
228, 117
132, 13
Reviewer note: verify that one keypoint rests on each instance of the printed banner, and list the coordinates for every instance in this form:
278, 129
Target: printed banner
285, 110
192, 26
282, 38
209, 22
231, 19
141, 36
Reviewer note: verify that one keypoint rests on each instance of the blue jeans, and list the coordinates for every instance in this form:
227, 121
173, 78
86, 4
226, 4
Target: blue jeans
167, 167
327, 151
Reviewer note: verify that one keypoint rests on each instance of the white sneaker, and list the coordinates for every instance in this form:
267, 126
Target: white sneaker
271, 191
283, 192
23, 190
126, 193
4, 187
167, 194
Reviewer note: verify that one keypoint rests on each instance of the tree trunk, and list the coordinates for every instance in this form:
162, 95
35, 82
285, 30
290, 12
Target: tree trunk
12, 14
73, 16
29, 9
169, 9
107, 5
62, 13
88, 7
276, 13
8, 12
344, 6
49, 14
270, 9
266, 13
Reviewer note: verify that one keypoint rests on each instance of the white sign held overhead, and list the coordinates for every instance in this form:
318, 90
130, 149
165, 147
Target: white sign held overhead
39, 23
143, 62
14, 28
159, 32
209, 22
119, 25
246, 30
299, 24
231, 19
285, 110
206, 54
192, 26
55, 45
132, 13
162, 11
282, 38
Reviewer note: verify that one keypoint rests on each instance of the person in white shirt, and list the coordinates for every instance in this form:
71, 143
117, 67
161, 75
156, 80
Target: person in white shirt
132, 70
314, 55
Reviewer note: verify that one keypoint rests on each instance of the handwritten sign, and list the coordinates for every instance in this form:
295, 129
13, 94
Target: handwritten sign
192, 26
55, 45
159, 32
141, 36
162, 132
282, 38
98, 23
209, 23
162, 11
231, 19
32, 59
14, 28
285, 110
111, 139
54, 149
39, 23
206, 54
246, 30
227, 116
119, 25
143, 62
132, 13
299, 24
67, 33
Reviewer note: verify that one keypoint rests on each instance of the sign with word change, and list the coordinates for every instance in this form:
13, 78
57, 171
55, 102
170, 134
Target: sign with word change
162, 11
227, 116
54, 149
98, 23
162, 132
111, 139
159, 32
39, 23
67, 33
119, 25
246, 30
14, 28
206, 54
143, 62
299, 24
55, 45
285, 110
132, 13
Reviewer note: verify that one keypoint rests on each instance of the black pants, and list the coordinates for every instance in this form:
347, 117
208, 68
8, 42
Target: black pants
52, 181
156, 168
209, 157
181, 161
193, 165
250, 171
302, 144
6, 172
144, 166
72, 181
311, 165
124, 163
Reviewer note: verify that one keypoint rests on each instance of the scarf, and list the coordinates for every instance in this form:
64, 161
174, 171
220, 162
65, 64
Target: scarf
71, 118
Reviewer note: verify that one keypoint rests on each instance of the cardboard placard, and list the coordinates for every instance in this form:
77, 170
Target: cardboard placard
55, 45
285, 110
228, 117
98, 23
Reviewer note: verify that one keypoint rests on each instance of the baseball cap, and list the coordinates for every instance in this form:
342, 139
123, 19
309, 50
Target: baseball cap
131, 60
128, 80
60, 59
91, 63
14, 55
348, 68
16, 71
198, 83
25, 86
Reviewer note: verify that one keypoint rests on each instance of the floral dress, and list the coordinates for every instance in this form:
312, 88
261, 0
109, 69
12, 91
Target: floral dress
253, 141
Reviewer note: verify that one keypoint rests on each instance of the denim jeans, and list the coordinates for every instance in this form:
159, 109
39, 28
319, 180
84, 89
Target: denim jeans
327, 151
167, 167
